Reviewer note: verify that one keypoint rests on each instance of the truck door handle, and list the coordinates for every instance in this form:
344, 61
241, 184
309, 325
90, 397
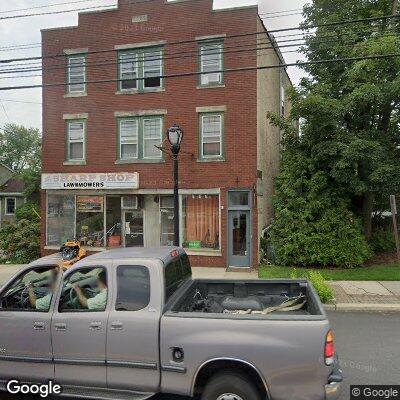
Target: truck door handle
95, 325
38, 326
60, 327
117, 326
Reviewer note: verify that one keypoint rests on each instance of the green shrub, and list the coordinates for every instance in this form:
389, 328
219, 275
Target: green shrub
323, 289
28, 211
333, 238
20, 242
382, 241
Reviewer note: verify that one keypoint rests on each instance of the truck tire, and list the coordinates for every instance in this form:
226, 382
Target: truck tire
230, 386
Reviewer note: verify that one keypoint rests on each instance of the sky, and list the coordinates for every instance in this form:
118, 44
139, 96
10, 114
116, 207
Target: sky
24, 106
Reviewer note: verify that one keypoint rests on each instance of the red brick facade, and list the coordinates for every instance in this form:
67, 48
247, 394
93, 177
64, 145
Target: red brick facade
175, 21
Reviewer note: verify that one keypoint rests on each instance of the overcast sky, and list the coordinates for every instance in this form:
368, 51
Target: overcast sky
24, 106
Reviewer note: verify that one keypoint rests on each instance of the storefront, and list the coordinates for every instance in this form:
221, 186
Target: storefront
101, 212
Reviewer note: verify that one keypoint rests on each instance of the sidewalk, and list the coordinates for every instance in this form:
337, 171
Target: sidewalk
365, 295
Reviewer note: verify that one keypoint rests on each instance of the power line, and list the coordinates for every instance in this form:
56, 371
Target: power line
37, 64
189, 54
21, 101
55, 12
46, 6
264, 32
229, 70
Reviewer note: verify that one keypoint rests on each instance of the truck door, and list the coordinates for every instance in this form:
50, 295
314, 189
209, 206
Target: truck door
25, 339
79, 327
133, 328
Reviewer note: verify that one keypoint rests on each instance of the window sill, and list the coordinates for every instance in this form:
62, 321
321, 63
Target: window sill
69, 95
136, 91
74, 163
204, 252
141, 161
205, 160
211, 86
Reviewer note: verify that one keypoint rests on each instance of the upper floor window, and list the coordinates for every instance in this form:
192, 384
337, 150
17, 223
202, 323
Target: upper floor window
211, 61
10, 205
140, 69
76, 140
211, 132
139, 136
76, 74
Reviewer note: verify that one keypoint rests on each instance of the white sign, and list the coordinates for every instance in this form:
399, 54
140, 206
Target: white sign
107, 180
139, 18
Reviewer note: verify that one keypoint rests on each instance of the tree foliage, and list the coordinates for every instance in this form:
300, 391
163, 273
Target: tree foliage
347, 160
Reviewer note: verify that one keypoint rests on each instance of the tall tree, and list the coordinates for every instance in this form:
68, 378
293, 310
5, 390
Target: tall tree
361, 148
20, 147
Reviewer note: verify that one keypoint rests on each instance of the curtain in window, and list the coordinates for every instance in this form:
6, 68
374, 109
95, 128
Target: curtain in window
202, 221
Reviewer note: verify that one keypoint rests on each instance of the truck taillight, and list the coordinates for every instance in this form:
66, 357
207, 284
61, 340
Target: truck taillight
329, 349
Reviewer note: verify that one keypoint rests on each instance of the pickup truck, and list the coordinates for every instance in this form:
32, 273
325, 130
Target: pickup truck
131, 323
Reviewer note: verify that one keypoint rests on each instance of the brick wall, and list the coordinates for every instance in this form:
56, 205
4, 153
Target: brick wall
170, 22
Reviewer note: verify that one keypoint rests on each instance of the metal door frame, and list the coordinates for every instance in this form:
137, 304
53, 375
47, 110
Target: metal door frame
248, 210
124, 211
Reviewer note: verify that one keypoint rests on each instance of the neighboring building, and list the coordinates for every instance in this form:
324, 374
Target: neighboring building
104, 181
11, 194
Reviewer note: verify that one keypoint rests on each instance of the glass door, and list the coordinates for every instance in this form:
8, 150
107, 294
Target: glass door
239, 238
133, 229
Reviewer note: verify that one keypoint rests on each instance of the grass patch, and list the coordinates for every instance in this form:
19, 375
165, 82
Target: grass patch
374, 273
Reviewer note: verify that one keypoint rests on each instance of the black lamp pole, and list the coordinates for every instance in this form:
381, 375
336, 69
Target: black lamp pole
174, 135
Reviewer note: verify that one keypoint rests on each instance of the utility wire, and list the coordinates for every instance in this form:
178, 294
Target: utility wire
306, 36
20, 101
229, 70
264, 32
180, 55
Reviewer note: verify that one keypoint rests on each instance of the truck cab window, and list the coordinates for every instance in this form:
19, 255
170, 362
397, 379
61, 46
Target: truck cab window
32, 290
133, 288
176, 272
84, 290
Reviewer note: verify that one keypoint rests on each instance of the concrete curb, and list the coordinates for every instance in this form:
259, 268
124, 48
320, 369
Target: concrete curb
362, 307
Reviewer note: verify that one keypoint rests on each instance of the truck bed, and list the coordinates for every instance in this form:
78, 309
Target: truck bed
246, 298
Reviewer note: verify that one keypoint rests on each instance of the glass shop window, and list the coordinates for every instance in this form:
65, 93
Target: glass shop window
201, 221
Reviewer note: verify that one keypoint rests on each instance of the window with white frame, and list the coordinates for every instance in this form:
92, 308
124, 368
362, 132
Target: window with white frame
129, 132
140, 69
211, 61
76, 140
152, 69
10, 205
139, 136
76, 74
128, 71
211, 127
152, 137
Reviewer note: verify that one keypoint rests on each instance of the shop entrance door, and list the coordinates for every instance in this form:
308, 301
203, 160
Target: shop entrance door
239, 238
133, 228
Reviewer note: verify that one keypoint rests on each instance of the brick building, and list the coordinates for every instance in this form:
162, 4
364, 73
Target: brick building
104, 180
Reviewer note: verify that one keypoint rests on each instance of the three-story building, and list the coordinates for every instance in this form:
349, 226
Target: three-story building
118, 81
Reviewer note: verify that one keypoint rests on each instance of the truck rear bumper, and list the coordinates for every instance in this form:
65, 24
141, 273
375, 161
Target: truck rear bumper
333, 388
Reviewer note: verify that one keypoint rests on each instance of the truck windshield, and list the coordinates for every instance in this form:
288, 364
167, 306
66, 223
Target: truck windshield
176, 272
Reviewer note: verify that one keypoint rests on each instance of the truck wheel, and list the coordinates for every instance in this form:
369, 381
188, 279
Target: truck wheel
230, 386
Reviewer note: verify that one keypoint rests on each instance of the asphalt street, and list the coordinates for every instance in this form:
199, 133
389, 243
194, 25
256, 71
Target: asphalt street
368, 345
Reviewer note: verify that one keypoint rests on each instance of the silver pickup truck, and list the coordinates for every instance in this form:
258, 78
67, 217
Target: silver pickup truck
131, 323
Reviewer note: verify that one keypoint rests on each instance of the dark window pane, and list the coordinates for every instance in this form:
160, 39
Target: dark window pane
127, 84
133, 291
173, 277
186, 269
239, 198
152, 82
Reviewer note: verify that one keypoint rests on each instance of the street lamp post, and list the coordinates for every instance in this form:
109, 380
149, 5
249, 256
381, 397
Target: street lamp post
174, 135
